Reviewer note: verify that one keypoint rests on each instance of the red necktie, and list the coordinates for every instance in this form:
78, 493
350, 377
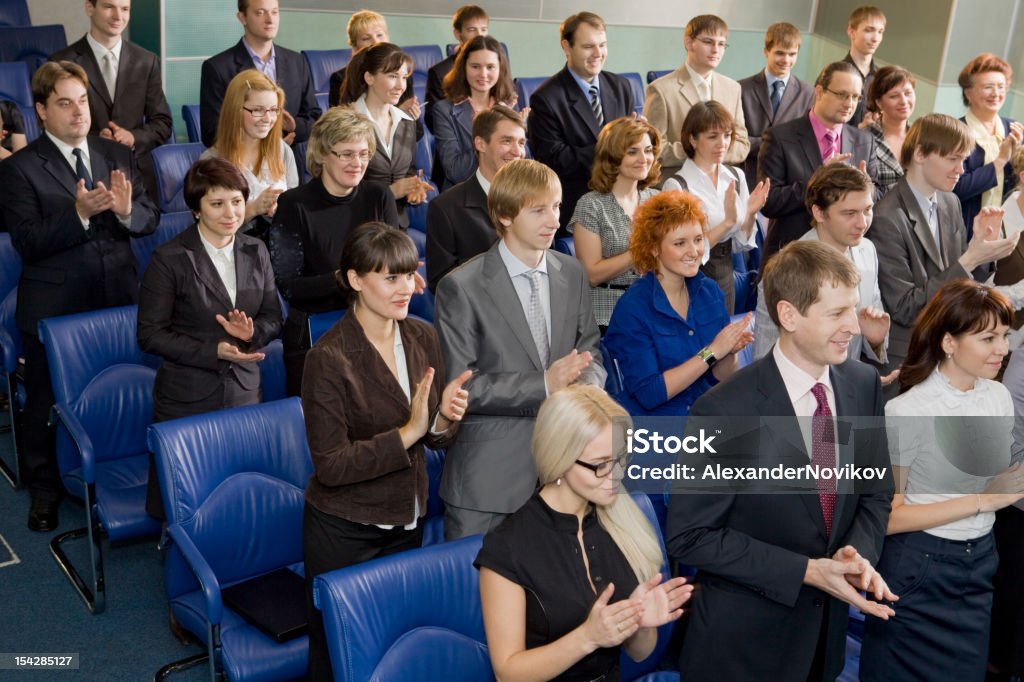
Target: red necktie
823, 453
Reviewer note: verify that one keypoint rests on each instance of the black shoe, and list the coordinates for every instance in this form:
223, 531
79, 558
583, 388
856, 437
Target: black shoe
43, 515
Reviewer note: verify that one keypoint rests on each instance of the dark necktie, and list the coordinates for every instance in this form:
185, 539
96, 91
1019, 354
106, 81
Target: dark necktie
823, 453
776, 95
81, 171
595, 104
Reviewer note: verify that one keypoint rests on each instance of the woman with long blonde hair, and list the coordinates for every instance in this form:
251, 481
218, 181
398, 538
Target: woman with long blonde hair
249, 136
544, 621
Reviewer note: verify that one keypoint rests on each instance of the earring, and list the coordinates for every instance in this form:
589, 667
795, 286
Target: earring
949, 356
195, 216
558, 481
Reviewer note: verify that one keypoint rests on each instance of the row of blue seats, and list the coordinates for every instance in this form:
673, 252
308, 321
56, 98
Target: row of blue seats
14, 13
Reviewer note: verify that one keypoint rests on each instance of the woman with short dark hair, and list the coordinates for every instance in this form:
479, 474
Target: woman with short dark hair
891, 97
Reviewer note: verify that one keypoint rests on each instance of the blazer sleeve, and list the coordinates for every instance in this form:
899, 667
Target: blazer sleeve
786, 196
435, 94
631, 343
212, 84
287, 255
145, 214
267, 322
588, 337
37, 231
309, 110
549, 143
656, 112
504, 393
157, 128
740, 148
457, 159
978, 177
440, 243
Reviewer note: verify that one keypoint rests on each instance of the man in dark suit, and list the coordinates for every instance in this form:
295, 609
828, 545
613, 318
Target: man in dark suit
569, 109
918, 229
468, 22
519, 316
458, 225
71, 201
774, 95
257, 50
790, 152
126, 93
778, 562
865, 29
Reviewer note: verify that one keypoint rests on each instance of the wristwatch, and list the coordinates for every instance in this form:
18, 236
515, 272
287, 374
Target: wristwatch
707, 355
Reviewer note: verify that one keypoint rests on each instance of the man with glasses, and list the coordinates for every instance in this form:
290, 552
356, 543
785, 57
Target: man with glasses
792, 151
671, 97
257, 50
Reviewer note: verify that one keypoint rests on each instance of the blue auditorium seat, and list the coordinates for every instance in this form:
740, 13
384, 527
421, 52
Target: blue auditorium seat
424, 56
16, 83
272, 377
300, 149
14, 13
612, 382
170, 164
170, 225
323, 101
31, 44
190, 114
639, 94
103, 389
232, 483
655, 75
10, 352
322, 63
28, 114
566, 245
525, 88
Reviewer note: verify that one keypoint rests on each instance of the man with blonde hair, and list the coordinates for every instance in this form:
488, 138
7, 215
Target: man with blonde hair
519, 316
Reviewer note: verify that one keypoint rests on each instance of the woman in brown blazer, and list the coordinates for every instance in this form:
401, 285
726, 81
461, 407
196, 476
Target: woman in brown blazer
371, 405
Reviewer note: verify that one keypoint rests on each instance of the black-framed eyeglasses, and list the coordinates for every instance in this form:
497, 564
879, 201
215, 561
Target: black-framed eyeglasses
605, 468
848, 96
260, 112
348, 156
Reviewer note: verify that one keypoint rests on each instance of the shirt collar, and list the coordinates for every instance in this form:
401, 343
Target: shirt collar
396, 113
819, 128
483, 182
568, 523
798, 382
771, 78
697, 78
922, 200
212, 251
99, 51
517, 267
584, 85
66, 149
256, 58
812, 236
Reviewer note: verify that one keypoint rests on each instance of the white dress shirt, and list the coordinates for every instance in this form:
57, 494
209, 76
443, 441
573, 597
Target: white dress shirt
100, 52
224, 262
798, 386
386, 142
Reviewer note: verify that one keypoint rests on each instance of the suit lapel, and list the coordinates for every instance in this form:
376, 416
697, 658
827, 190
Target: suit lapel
124, 76
919, 222
809, 143
476, 199
687, 87
56, 165
245, 256
846, 405
378, 370
761, 95
87, 60
949, 219
203, 267
503, 293
464, 117
100, 166
579, 103
790, 96
558, 287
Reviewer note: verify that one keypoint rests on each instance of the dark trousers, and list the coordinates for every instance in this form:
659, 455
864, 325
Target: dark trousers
39, 463
295, 337
1006, 648
332, 543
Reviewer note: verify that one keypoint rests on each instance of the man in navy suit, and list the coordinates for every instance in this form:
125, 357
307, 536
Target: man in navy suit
126, 93
257, 50
569, 109
779, 560
71, 202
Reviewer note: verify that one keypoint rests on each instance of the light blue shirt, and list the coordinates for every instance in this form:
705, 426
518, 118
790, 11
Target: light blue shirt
585, 86
267, 68
770, 78
518, 270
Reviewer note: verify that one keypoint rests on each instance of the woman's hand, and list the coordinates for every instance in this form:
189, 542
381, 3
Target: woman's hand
661, 601
230, 352
611, 625
1003, 490
403, 186
757, 198
264, 204
454, 401
1009, 143
733, 338
731, 214
237, 324
411, 106
419, 417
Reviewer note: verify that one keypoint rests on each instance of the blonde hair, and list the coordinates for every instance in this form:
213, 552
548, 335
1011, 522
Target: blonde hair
362, 20
566, 423
230, 138
515, 184
338, 124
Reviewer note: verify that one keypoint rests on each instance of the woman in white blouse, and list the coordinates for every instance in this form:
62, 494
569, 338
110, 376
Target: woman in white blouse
249, 136
708, 132
949, 438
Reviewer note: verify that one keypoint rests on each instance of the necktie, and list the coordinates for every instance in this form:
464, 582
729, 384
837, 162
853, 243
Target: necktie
81, 172
595, 104
110, 73
933, 222
777, 95
823, 453
831, 149
535, 318
703, 90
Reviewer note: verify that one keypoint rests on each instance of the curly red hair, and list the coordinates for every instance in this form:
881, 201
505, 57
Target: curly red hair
654, 219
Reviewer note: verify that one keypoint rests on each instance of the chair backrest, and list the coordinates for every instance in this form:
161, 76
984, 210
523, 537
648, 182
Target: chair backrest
409, 616
10, 336
14, 13
300, 159
31, 44
322, 63
655, 75
28, 115
613, 382
745, 356
566, 245
170, 164
10, 265
525, 88
234, 480
424, 56
16, 83
272, 376
170, 226
190, 114
323, 101
639, 95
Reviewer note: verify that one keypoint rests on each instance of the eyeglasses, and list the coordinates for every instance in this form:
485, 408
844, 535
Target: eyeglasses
348, 156
604, 469
262, 112
711, 42
846, 96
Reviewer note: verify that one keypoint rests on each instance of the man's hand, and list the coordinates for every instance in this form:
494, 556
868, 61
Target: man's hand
874, 325
986, 246
92, 202
122, 135
121, 189
840, 158
830, 576
869, 580
567, 369
288, 127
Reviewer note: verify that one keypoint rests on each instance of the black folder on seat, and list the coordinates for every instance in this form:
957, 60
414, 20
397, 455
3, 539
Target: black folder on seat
274, 602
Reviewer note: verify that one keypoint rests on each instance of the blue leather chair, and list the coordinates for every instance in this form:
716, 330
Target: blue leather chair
613, 382
425, 153
655, 75
745, 356
10, 265
16, 83
190, 114
11, 351
424, 56
14, 13
272, 379
418, 213
170, 225
103, 388
170, 164
525, 87
28, 114
566, 245
300, 160
419, 238
323, 101
322, 63
31, 44
639, 94
232, 483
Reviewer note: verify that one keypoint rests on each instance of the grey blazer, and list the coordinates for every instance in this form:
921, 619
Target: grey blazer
797, 98
482, 327
912, 268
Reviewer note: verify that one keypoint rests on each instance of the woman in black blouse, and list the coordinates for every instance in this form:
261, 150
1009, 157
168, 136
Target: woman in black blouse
543, 620
312, 222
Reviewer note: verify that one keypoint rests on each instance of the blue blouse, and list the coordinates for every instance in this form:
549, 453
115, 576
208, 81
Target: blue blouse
647, 337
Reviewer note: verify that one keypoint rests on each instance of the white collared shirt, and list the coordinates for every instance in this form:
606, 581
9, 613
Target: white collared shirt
798, 386
100, 51
518, 271
224, 262
66, 151
484, 183
396, 116
699, 80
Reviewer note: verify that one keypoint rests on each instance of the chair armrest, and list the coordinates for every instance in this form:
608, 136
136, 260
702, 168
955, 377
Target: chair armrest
67, 416
202, 571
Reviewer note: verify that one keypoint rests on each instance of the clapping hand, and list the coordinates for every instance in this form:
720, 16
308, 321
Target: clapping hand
733, 338
230, 352
237, 324
610, 625
867, 579
661, 602
454, 401
411, 106
758, 197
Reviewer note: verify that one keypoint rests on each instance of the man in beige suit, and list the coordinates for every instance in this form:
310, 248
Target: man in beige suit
670, 97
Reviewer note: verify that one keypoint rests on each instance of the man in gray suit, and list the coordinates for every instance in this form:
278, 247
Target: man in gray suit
519, 316
773, 95
918, 228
